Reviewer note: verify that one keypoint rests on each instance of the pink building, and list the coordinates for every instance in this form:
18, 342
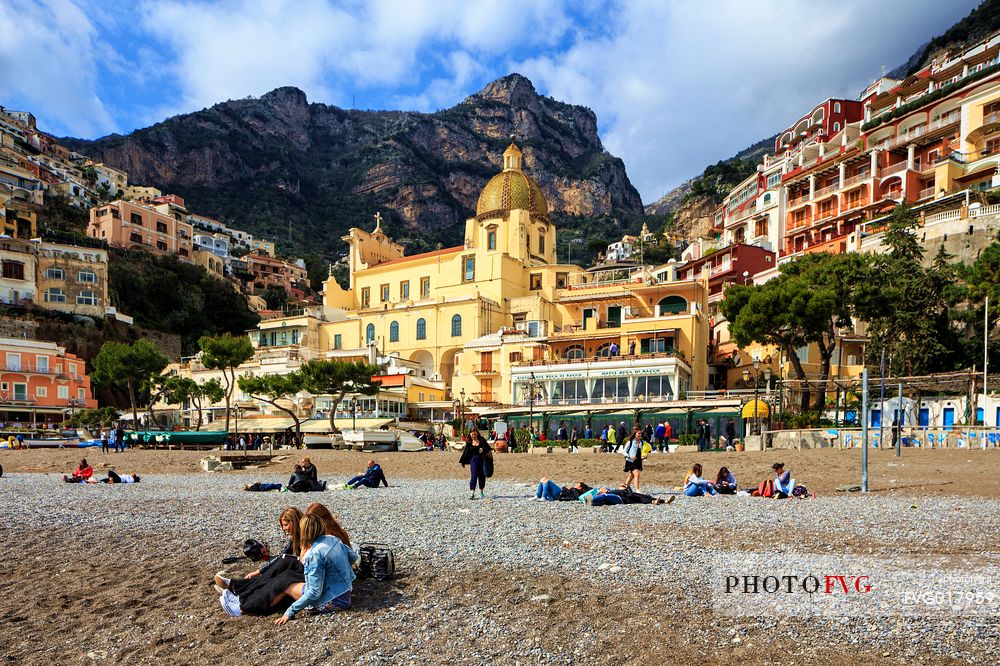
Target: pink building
40, 382
128, 225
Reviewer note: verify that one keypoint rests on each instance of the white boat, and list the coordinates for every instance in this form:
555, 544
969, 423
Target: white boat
382, 440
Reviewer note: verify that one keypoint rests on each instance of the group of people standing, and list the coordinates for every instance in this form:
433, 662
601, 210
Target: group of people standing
113, 438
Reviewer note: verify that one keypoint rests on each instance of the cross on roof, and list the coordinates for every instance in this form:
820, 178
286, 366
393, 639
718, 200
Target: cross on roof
378, 220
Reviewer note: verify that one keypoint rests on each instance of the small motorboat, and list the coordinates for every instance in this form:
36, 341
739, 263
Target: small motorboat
376, 441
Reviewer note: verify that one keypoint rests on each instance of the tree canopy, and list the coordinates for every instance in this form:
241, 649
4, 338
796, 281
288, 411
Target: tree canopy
226, 353
273, 389
336, 378
129, 367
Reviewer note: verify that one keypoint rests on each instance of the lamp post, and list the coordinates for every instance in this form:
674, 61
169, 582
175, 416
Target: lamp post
531, 403
354, 413
461, 404
756, 388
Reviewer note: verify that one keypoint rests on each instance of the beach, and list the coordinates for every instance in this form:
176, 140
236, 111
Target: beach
108, 573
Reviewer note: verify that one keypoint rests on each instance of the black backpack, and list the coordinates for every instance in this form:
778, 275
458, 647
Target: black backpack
377, 561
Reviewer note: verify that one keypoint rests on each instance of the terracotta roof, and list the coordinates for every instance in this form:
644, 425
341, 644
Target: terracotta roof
422, 255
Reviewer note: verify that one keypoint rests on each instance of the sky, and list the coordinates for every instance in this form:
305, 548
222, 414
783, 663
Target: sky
676, 84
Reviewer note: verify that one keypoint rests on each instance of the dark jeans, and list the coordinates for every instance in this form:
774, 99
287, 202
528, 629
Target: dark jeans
104, 446
477, 472
362, 480
260, 487
606, 499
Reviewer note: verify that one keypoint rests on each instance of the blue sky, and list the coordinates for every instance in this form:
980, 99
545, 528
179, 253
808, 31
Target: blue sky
676, 85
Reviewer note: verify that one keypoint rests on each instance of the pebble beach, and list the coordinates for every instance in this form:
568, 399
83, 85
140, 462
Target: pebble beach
101, 574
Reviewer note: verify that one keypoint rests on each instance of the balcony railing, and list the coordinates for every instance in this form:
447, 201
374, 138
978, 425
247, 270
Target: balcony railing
852, 204
892, 169
597, 359
991, 118
926, 193
486, 370
829, 189
854, 180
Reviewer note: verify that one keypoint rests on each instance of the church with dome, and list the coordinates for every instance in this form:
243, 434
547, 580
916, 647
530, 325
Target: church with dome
499, 311
495, 327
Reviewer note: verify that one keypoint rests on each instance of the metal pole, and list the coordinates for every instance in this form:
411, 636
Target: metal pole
756, 405
881, 406
986, 357
899, 420
864, 430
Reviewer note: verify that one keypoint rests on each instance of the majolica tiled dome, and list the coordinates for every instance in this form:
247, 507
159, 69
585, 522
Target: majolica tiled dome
511, 190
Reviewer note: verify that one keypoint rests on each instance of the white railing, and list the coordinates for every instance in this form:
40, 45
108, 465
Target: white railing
829, 189
943, 216
984, 210
854, 180
992, 118
926, 193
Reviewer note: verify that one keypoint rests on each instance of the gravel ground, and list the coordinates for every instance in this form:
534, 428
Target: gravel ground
501, 580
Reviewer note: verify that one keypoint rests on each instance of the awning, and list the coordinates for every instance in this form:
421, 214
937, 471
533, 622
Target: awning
755, 409
344, 423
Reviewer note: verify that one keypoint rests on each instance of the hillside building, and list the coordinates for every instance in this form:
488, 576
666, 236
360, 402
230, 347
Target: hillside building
40, 383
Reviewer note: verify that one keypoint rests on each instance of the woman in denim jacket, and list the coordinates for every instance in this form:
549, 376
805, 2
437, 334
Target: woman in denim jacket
328, 571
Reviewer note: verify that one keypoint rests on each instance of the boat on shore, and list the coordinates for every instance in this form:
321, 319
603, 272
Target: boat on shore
379, 441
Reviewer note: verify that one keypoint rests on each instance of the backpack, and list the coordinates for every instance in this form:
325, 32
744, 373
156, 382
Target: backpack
647, 448
765, 489
800, 491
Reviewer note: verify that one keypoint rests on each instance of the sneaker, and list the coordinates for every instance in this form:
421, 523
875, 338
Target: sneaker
230, 603
482, 495
221, 581
344, 487
588, 500
671, 498
472, 495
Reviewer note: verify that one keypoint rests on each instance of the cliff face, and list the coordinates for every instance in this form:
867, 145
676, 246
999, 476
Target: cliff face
304, 172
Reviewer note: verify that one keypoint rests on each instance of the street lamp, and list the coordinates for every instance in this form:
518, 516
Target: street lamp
756, 387
461, 401
354, 413
531, 403
457, 407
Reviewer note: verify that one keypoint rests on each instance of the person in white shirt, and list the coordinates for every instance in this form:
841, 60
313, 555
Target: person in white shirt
695, 485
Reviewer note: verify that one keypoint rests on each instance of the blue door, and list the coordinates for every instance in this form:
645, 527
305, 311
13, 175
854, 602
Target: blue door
925, 417
949, 418
876, 418
980, 413
996, 423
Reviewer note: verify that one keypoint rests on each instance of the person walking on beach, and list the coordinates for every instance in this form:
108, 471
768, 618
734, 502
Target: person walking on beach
660, 434
622, 436
574, 439
119, 438
633, 459
477, 454
104, 441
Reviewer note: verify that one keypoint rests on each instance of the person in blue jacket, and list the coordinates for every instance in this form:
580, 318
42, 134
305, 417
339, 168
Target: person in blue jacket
328, 565
372, 477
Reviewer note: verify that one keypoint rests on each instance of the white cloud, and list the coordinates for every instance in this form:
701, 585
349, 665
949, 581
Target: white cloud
49, 65
677, 86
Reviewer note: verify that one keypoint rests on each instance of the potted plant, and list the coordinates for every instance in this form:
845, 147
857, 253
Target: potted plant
740, 446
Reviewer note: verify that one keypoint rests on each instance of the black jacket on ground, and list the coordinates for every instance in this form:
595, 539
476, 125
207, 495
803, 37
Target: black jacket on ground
256, 594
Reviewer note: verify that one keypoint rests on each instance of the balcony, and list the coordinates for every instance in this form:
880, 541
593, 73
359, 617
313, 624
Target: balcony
825, 214
485, 398
892, 169
799, 200
856, 180
485, 371
829, 189
926, 193
854, 204
621, 358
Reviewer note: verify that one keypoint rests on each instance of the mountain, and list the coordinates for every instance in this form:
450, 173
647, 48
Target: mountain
302, 173
692, 203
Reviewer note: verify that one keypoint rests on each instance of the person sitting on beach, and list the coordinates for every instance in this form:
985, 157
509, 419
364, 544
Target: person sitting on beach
255, 594
695, 486
83, 472
372, 477
261, 487
725, 482
310, 469
298, 482
329, 573
784, 484
551, 491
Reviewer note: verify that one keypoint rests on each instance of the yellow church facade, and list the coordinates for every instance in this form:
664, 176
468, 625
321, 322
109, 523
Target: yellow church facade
488, 315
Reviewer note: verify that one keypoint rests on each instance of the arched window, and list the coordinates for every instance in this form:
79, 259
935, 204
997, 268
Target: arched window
573, 351
604, 350
836, 127
421, 329
394, 332
836, 107
671, 305
370, 334
767, 198
456, 326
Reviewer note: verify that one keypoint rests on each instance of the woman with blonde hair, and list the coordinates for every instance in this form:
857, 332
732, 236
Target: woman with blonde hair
329, 575
330, 524
695, 486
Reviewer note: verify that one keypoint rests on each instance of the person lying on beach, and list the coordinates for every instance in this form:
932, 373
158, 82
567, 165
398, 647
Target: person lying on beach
83, 472
695, 485
600, 497
261, 487
113, 477
372, 477
329, 573
630, 496
551, 491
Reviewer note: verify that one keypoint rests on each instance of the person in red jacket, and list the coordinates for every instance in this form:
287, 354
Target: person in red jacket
83, 472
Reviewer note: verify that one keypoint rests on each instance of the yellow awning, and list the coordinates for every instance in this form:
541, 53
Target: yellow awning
755, 409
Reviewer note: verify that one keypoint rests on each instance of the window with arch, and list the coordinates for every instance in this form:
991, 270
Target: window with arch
370, 334
767, 199
394, 332
573, 352
836, 107
604, 350
456, 326
671, 305
421, 329
836, 127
